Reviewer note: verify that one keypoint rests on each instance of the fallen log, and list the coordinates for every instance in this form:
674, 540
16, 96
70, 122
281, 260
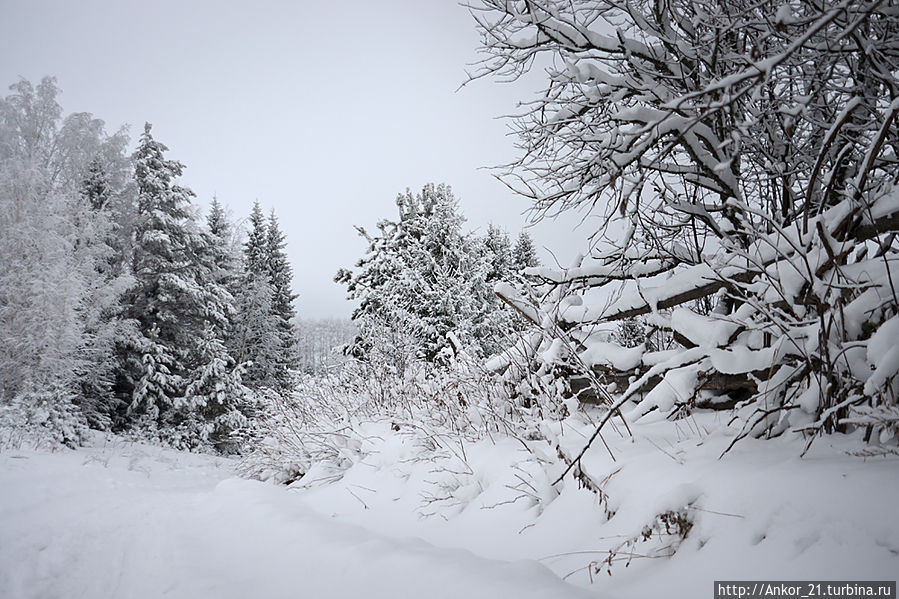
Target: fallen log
734, 386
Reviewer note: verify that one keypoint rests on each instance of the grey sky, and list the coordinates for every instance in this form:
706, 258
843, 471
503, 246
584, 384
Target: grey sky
323, 110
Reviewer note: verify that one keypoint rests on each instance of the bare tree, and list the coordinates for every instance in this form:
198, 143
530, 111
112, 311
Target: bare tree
747, 152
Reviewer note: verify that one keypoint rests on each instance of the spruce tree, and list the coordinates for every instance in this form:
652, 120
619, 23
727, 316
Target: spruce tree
217, 220
499, 253
99, 234
256, 340
216, 396
256, 246
159, 382
281, 279
421, 280
524, 255
95, 187
222, 261
176, 301
163, 300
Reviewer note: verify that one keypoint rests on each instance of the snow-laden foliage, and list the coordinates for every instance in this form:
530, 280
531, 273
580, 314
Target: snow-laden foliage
118, 310
281, 278
114, 303
264, 333
45, 419
61, 235
740, 156
423, 276
217, 397
320, 425
524, 254
186, 386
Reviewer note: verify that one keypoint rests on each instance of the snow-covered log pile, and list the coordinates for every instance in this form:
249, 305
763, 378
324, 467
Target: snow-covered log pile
741, 161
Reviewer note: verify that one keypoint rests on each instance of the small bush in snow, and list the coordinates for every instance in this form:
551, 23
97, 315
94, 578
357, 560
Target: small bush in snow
41, 419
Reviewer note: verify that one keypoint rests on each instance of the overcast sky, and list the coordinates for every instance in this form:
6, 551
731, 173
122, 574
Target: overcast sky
323, 110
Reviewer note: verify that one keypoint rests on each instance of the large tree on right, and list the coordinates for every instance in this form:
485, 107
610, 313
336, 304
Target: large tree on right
738, 153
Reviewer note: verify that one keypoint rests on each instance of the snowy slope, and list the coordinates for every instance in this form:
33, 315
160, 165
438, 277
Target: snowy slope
760, 512
462, 520
134, 521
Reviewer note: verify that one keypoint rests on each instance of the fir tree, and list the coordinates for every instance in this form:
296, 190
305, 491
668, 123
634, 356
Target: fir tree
280, 280
95, 187
222, 262
256, 246
217, 220
165, 300
219, 230
176, 300
257, 339
524, 255
216, 395
499, 255
422, 279
160, 383
100, 234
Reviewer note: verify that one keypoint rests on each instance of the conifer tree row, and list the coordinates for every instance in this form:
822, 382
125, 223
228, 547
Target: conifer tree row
265, 334
185, 383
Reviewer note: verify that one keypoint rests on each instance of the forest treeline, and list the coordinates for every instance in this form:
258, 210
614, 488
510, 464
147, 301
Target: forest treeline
122, 308
740, 162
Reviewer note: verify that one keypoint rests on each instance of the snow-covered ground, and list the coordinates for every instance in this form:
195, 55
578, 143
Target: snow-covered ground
761, 512
455, 520
135, 521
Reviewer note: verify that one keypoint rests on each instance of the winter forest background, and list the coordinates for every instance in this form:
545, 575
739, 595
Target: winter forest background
707, 392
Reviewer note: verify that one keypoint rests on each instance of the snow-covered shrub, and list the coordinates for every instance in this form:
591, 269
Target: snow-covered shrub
659, 538
320, 424
41, 419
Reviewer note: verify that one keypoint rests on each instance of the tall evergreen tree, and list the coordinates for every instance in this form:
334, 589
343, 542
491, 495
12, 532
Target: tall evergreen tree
100, 234
217, 220
256, 339
176, 302
281, 279
95, 187
218, 385
256, 246
165, 300
499, 250
216, 394
223, 263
